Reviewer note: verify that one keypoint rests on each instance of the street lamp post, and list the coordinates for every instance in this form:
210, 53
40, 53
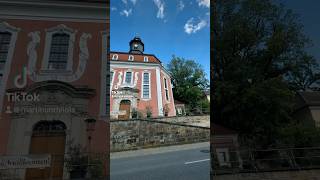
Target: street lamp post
90, 123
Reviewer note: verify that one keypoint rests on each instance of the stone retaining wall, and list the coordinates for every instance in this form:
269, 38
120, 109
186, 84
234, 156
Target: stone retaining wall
203, 121
138, 133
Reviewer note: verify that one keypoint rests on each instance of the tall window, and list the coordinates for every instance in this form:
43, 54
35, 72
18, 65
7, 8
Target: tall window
146, 85
128, 77
59, 51
5, 38
166, 89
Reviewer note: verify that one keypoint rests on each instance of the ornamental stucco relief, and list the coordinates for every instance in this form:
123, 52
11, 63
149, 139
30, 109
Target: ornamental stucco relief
53, 74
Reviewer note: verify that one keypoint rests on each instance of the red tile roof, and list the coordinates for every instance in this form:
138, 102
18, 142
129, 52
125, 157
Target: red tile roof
122, 56
304, 99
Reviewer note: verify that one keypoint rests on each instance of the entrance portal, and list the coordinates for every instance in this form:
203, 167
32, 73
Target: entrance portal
124, 110
48, 137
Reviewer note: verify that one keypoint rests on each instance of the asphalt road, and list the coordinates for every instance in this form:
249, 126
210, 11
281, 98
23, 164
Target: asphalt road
186, 162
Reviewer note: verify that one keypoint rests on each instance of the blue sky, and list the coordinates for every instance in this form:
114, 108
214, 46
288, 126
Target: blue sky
309, 14
167, 27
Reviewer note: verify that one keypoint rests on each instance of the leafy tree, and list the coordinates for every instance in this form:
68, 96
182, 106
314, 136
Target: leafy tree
258, 49
305, 75
189, 81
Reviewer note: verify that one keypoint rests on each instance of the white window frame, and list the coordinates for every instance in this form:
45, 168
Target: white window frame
221, 161
115, 57
166, 89
145, 59
125, 77
142, 83
49, 33
130, 58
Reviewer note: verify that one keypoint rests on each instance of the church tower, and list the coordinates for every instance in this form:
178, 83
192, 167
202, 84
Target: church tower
136, 46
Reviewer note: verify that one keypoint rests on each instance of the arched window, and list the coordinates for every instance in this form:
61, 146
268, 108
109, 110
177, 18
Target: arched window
115, 57
145, 59
130, 58
146, 94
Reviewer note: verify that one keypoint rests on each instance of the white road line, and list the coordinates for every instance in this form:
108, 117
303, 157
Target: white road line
191, 162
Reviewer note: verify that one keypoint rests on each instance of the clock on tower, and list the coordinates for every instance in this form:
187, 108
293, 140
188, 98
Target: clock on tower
136, 46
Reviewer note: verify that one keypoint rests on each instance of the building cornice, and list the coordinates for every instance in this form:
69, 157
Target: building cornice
128, 53
83, 11
131, 64
59, 3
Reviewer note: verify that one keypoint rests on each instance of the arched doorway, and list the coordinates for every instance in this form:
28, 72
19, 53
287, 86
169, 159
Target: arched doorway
124, 109
48, 137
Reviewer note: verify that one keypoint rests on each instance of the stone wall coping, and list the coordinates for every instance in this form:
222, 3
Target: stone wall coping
162, 122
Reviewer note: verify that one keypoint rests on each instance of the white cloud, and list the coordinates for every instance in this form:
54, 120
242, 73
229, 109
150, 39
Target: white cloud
125, 1
113, 8
180, 5
205, 3
191, 27
134, 2
126, 12
160, 5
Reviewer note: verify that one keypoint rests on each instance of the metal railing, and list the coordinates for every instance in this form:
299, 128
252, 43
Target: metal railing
266, 160
196, 111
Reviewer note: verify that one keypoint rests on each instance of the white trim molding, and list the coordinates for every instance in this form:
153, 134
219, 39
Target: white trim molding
118, 85
140, 65
5, 27
60, 75
159, 92
136, 78
125, 77
166, 89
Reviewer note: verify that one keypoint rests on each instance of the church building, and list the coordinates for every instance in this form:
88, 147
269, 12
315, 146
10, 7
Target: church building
140, 85
53, 88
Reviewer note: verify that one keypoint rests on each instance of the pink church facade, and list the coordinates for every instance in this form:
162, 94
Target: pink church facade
140, 85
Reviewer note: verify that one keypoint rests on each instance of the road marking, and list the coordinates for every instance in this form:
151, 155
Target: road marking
191, 162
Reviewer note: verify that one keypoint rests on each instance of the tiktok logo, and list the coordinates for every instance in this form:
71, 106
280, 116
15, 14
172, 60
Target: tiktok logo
20, 81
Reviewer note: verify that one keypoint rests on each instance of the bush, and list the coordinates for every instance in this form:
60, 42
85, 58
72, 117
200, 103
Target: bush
149, 111
166, 110
134, 113
77, 162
